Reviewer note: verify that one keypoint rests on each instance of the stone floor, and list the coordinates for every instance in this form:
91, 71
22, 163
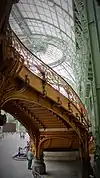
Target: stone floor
10, 168
63, 169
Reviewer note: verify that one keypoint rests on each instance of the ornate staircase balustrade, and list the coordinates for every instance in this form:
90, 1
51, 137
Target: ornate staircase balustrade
16, 48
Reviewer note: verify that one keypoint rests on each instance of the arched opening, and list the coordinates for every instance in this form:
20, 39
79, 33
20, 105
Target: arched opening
11, 162
21, 115
21, 111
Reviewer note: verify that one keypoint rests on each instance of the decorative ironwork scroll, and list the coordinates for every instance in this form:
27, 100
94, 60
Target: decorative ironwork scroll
11, 66
39, 68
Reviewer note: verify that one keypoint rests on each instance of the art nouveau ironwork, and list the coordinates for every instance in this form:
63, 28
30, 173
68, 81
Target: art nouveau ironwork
39, 68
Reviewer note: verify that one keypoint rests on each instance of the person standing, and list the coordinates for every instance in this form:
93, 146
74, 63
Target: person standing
30, 158
27, 147
19, 151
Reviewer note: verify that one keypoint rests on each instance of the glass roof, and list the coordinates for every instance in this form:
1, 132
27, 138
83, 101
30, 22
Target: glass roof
46, 27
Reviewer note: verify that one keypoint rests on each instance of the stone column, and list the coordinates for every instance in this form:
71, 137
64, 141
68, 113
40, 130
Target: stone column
39, 166
38, 162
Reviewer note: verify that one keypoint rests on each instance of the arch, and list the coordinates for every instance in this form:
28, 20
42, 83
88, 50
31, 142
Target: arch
21, 117
40, 147
34, 97
51, 137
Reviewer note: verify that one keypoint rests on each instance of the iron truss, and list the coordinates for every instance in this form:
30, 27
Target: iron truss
47, 29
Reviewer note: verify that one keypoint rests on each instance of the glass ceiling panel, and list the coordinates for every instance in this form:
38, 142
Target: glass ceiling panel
47, 28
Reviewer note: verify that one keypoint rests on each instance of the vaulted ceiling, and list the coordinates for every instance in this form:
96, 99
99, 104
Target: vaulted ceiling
46, 27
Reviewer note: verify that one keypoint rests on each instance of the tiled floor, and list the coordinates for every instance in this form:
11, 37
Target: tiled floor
10, 168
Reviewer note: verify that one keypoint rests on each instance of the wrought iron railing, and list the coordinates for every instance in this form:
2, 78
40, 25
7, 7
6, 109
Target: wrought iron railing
39, 68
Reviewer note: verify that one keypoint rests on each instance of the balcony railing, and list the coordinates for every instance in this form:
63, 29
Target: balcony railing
39, 68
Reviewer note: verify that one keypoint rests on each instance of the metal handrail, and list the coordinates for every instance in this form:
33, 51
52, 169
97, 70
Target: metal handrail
39, 68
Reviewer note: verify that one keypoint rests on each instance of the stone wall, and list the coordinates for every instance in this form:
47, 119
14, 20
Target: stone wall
72, 155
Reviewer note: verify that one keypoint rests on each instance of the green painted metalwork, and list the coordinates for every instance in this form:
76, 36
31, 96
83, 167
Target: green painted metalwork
93, 15
82, 48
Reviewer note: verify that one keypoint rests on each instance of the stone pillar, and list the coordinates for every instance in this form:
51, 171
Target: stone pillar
39, 166
38, 163
93, 17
